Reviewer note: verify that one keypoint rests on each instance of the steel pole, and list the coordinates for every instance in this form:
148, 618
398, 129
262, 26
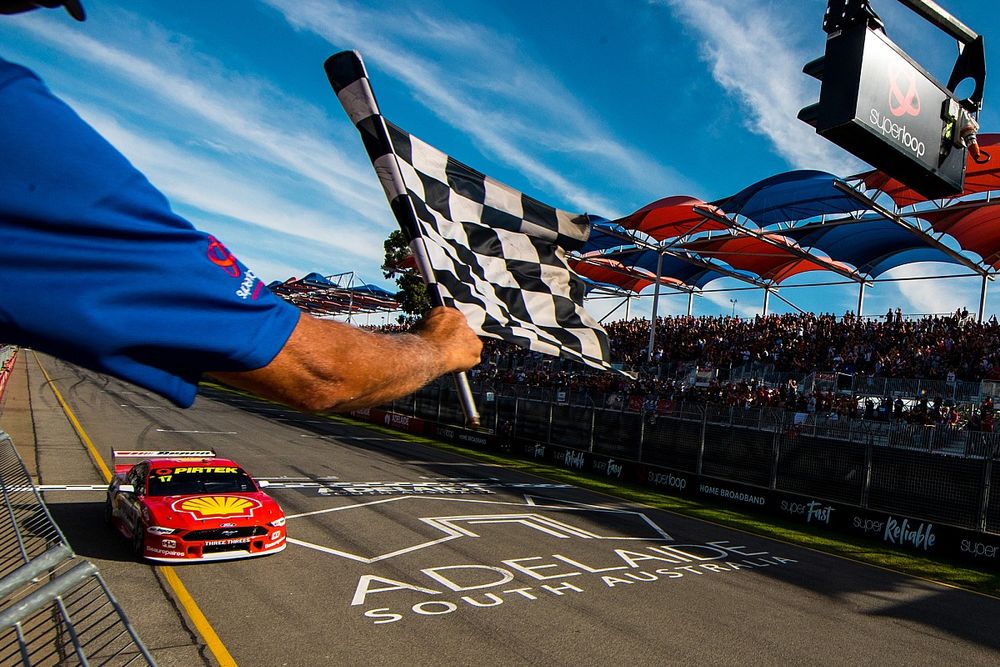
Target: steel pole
982, 300
656, 303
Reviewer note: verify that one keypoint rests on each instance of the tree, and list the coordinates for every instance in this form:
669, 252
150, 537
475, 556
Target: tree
412, 295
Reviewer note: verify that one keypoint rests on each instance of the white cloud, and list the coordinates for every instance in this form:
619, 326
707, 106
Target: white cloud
749, 47
216, 188
934, 295
241, 114
749, 303
513, 110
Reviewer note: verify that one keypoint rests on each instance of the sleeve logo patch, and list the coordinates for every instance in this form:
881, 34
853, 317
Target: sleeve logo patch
221, 257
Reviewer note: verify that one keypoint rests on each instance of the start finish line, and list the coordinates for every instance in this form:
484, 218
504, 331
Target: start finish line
339, 488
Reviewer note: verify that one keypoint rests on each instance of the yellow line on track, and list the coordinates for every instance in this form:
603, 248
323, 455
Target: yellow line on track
201, 623
76, 424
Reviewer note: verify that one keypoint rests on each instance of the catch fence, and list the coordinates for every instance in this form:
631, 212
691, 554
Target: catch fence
55, 609
946, 475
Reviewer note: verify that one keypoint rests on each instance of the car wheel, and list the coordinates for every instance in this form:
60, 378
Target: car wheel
138, 541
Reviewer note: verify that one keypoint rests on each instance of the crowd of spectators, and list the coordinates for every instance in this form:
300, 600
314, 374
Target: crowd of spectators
950, 348
954, 347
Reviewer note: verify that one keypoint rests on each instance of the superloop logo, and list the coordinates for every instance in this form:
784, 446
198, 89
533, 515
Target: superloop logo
904, 100
903, 103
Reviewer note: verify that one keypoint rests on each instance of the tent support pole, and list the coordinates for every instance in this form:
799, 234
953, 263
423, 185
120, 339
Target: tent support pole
612, 311
789, 303
982, 300
656, 302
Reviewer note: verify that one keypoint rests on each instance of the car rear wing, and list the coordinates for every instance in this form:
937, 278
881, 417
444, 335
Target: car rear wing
123, 460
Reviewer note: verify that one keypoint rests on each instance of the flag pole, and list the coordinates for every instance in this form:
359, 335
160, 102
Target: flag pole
349, 79
461, 379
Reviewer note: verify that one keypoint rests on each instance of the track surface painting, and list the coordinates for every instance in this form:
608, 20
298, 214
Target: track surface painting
402, 553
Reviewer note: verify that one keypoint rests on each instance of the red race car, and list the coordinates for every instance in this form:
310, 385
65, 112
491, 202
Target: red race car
183, 506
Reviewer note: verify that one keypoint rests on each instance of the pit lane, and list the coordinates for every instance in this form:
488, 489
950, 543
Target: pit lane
403, 553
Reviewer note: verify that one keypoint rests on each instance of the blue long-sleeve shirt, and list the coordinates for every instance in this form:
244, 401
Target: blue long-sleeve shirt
96, 269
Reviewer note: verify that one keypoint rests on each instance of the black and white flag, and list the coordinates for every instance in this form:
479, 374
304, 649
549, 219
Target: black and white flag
490, 251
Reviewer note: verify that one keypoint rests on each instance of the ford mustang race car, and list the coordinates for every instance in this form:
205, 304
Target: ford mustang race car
182, 506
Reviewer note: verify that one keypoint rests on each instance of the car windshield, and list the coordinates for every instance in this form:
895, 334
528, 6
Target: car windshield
184, 480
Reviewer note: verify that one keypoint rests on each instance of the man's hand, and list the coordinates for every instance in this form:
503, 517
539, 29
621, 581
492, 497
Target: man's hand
446, 329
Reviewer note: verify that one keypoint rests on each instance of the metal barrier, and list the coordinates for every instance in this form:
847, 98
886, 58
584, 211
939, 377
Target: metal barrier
958, 391
861, 384
946, 475
55, 608
8, 354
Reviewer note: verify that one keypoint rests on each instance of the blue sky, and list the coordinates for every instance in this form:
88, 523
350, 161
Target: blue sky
589, 105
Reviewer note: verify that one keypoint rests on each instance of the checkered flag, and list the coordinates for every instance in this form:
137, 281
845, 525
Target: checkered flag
488, 250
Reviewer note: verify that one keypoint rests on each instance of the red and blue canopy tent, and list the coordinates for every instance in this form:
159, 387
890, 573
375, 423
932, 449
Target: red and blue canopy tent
859, 228
334, 295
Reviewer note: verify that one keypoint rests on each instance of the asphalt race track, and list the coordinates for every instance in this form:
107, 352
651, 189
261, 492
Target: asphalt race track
403, 554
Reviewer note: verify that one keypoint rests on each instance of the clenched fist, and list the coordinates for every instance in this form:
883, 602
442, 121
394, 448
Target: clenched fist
447, 330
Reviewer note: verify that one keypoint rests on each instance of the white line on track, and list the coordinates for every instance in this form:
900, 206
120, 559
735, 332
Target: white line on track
167, 430
333, 484
289, 478
441, 523
350, 437
461, 479
362, 559
452, 463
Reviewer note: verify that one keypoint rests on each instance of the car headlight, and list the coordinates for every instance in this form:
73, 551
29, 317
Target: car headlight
160, 530
278, 522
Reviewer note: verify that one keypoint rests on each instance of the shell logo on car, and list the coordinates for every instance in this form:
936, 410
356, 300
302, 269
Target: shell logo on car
207, 507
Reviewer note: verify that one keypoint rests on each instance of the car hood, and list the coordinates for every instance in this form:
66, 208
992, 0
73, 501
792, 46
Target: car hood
210, 510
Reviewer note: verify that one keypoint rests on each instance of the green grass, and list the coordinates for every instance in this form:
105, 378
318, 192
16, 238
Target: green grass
863, 551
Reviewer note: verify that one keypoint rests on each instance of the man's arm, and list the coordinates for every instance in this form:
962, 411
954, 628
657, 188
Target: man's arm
330, 366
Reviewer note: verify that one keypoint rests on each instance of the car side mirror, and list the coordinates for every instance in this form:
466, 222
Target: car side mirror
263, 483
126, 488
